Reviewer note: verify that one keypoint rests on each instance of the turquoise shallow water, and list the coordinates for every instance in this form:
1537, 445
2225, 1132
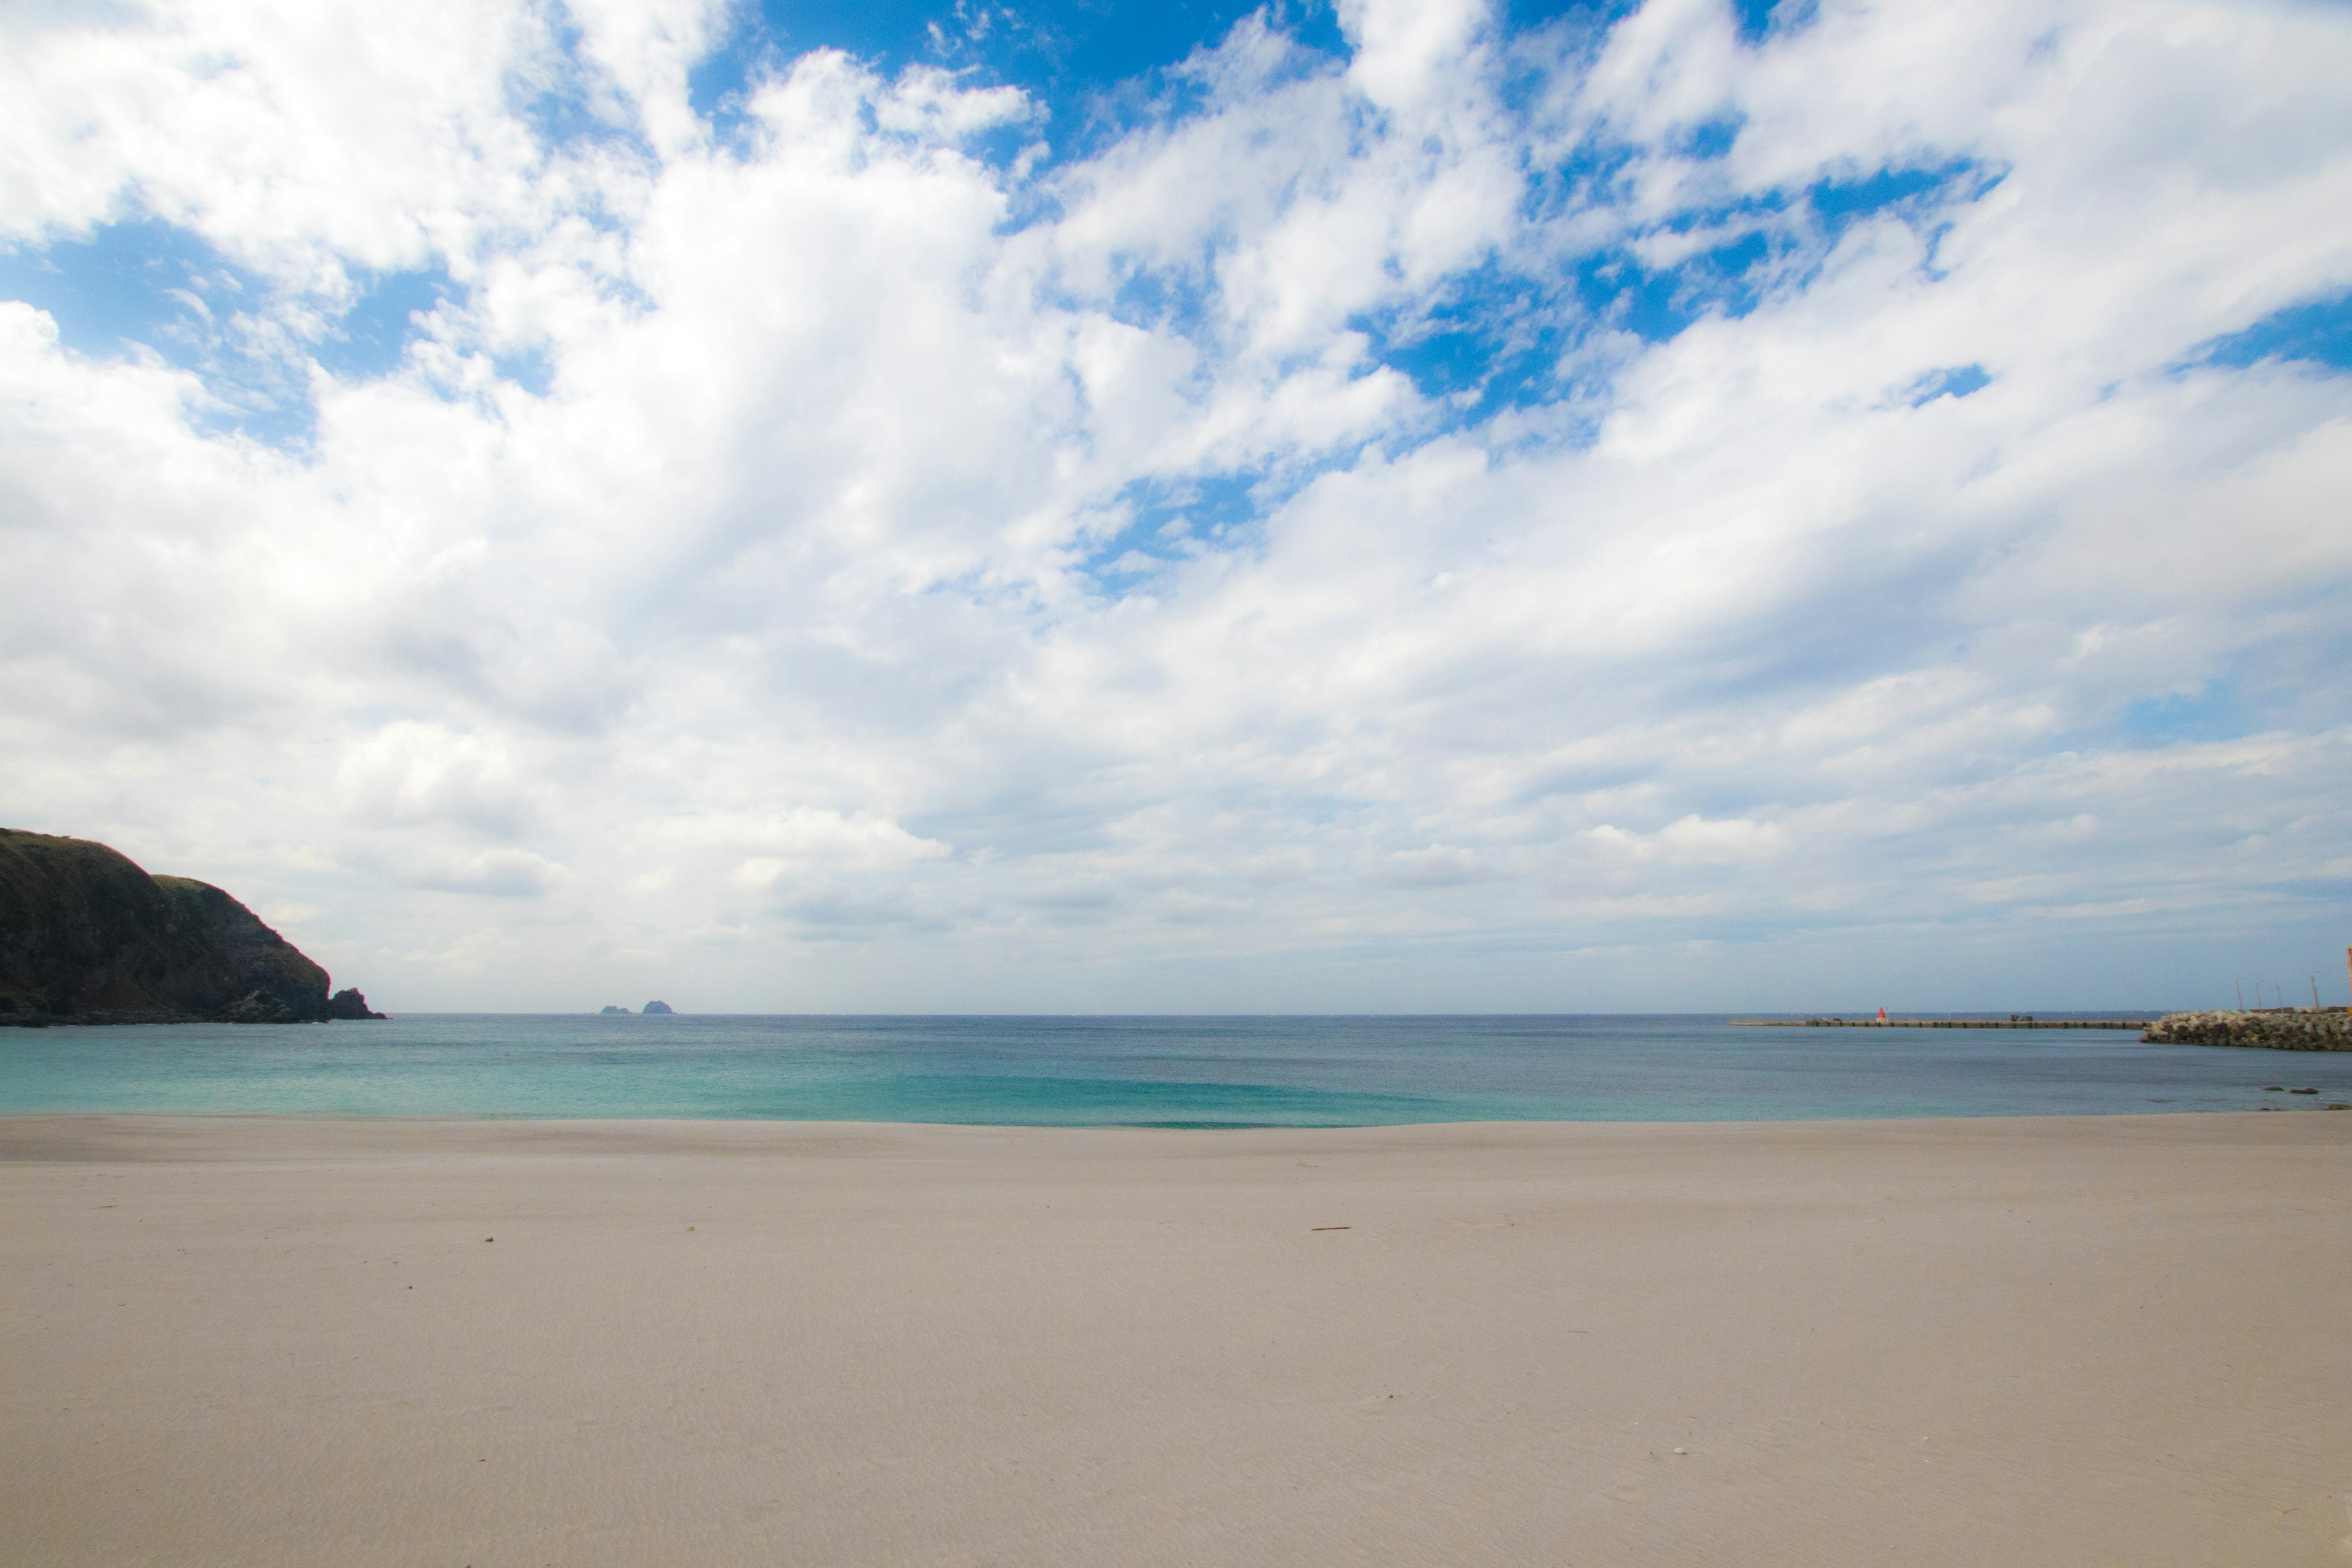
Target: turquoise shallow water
1131, 1071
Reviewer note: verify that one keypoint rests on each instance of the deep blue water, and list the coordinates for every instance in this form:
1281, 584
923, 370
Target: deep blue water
1190, 1072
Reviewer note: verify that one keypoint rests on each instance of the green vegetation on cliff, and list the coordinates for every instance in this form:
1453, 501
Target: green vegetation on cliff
87, 937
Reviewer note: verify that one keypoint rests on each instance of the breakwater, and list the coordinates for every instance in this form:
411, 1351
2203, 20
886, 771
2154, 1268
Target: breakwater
2268, 1028
1940, 1024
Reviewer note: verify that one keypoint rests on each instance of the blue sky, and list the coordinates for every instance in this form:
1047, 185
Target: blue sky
1195, 507
1090, 74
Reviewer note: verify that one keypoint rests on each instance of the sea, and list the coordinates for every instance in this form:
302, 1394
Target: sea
1202, 1072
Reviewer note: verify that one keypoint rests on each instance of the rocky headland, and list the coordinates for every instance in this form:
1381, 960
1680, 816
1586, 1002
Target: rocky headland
2269, 1029
87, 937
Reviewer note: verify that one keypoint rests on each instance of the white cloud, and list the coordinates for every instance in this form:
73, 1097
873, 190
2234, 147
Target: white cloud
409, 773
501, 873
1693, 839
920, 582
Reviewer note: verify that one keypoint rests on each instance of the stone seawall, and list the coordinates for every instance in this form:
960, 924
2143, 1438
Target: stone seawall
2273, 1030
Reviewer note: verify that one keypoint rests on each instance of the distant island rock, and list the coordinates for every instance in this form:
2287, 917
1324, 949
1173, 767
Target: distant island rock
610, 1011
87, 937
653, 1008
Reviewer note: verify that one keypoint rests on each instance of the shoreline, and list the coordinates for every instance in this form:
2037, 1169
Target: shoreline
40, 1138
2295, 1099
2030, 1340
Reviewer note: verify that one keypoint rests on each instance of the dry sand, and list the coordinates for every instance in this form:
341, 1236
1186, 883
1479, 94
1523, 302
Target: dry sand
2119, 1339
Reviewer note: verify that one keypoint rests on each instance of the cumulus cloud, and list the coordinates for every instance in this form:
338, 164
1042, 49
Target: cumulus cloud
1467, 518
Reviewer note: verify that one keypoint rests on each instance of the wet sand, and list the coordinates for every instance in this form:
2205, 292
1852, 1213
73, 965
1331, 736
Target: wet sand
2049, 1340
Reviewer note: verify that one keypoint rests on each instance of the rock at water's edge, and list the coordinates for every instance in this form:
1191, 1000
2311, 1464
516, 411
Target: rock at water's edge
349, 1004
659, 1007
2275, 1029
609, 1011
87, 937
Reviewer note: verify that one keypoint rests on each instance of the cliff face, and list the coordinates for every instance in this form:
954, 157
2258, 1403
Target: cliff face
2276, 1029
88, 937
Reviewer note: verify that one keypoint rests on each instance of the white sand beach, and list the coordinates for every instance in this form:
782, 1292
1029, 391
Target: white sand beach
2055, 1340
